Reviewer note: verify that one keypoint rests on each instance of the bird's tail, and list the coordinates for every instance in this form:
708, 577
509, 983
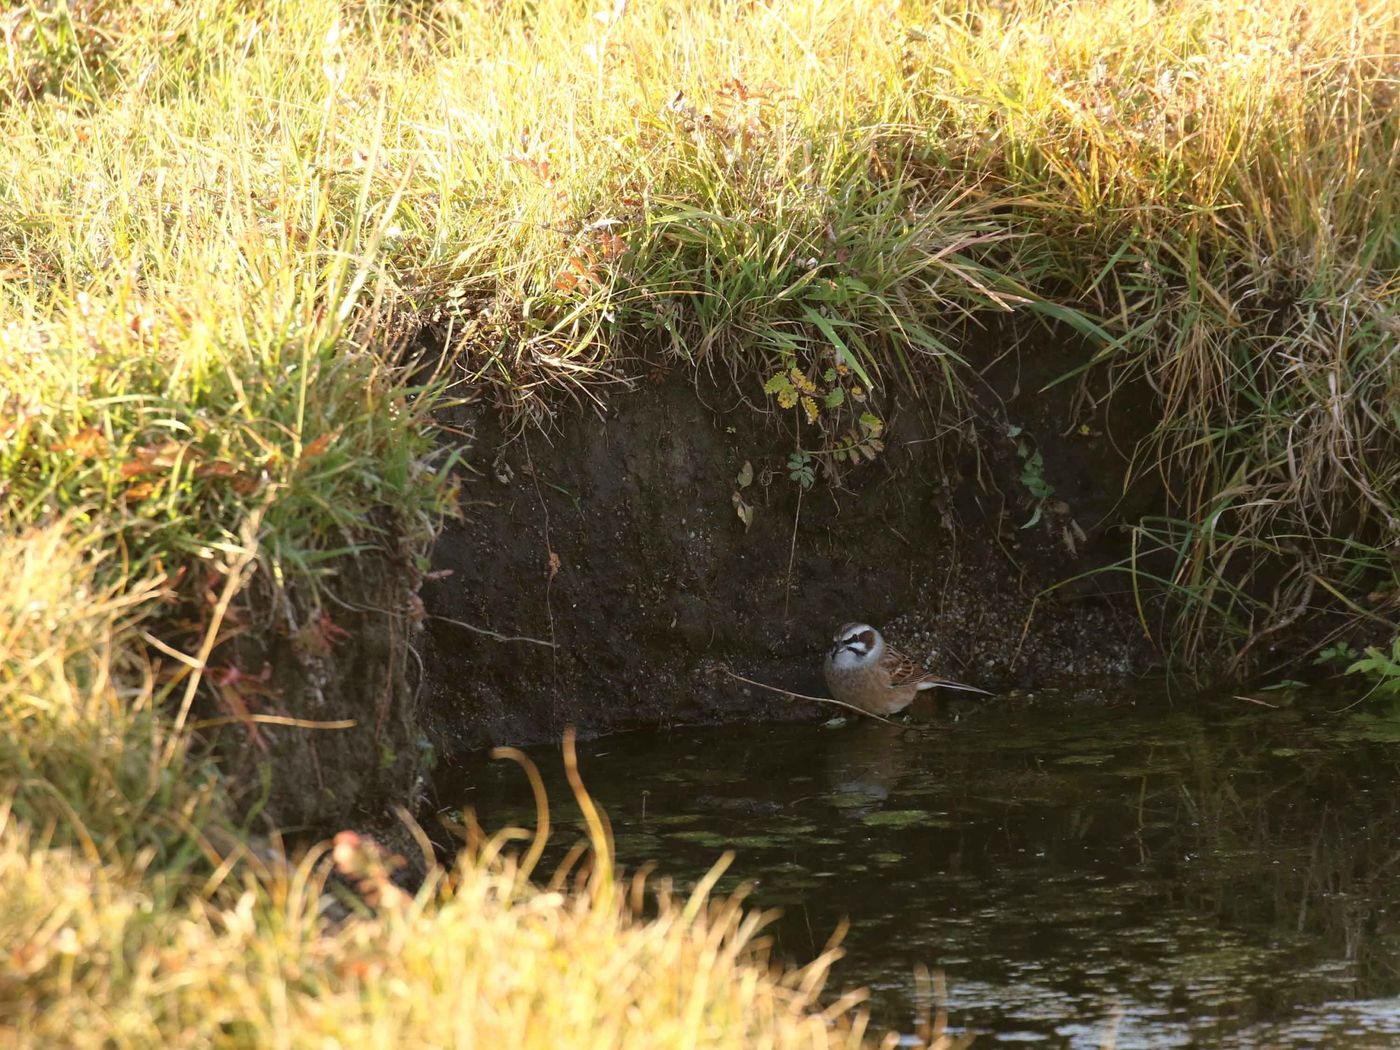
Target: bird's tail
933, 682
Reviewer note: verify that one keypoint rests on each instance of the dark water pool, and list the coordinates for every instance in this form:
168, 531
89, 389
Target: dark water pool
1223, 875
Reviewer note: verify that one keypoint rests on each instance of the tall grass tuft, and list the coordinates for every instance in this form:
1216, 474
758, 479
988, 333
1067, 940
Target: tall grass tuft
480, 956
86, 755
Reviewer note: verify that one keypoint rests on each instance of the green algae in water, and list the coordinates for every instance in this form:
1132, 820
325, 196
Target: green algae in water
1083, 760
906, 818
760, 841
1381, 729
702, 838
847, 800
670, 820
701, 775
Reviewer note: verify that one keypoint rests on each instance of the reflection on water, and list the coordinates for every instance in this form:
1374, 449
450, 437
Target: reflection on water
1220, 878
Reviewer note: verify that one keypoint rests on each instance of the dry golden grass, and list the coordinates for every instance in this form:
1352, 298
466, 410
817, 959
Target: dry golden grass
126, 954
134, 912
110, 956
217, 217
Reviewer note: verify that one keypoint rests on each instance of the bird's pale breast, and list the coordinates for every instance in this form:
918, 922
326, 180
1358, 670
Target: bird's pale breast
868, 688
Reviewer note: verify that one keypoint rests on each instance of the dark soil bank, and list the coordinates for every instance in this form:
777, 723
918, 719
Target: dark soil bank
615, 538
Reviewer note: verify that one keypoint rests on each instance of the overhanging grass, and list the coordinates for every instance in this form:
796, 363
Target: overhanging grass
85, 754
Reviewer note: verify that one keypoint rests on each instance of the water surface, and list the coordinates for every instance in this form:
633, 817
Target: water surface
1219, 875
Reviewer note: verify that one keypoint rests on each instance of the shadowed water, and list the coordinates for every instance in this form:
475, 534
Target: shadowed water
1224, 877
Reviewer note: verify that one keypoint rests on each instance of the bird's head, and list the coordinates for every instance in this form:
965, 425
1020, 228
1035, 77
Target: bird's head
855, 644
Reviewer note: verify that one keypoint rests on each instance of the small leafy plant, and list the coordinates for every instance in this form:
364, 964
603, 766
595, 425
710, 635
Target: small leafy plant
801, 468
829, 405
794, 388
1382, 668
1032, 473
1341, 653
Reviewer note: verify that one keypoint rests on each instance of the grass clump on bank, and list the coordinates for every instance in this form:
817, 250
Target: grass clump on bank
221, 226
1203, 195
137, 913
127, 950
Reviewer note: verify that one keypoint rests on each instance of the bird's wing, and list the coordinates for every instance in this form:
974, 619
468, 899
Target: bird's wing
905, 671
901, 668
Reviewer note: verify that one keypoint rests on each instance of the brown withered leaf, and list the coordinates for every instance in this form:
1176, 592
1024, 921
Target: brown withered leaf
611, 245
88, 443
321, 444
319, 635
553, 565
217, 469
539, 168
238, 480
743, 509
237, 706
155, 459
580, 272
239, 692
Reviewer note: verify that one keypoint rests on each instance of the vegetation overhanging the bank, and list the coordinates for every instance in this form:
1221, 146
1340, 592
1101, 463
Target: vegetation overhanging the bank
222, 225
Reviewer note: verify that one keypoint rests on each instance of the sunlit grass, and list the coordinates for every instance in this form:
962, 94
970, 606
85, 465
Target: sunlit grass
477, 959
135, 912
85, 754
222, 227
262, 952
221, 215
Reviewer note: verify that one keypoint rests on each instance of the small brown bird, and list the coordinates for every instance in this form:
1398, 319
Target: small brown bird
861, 670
